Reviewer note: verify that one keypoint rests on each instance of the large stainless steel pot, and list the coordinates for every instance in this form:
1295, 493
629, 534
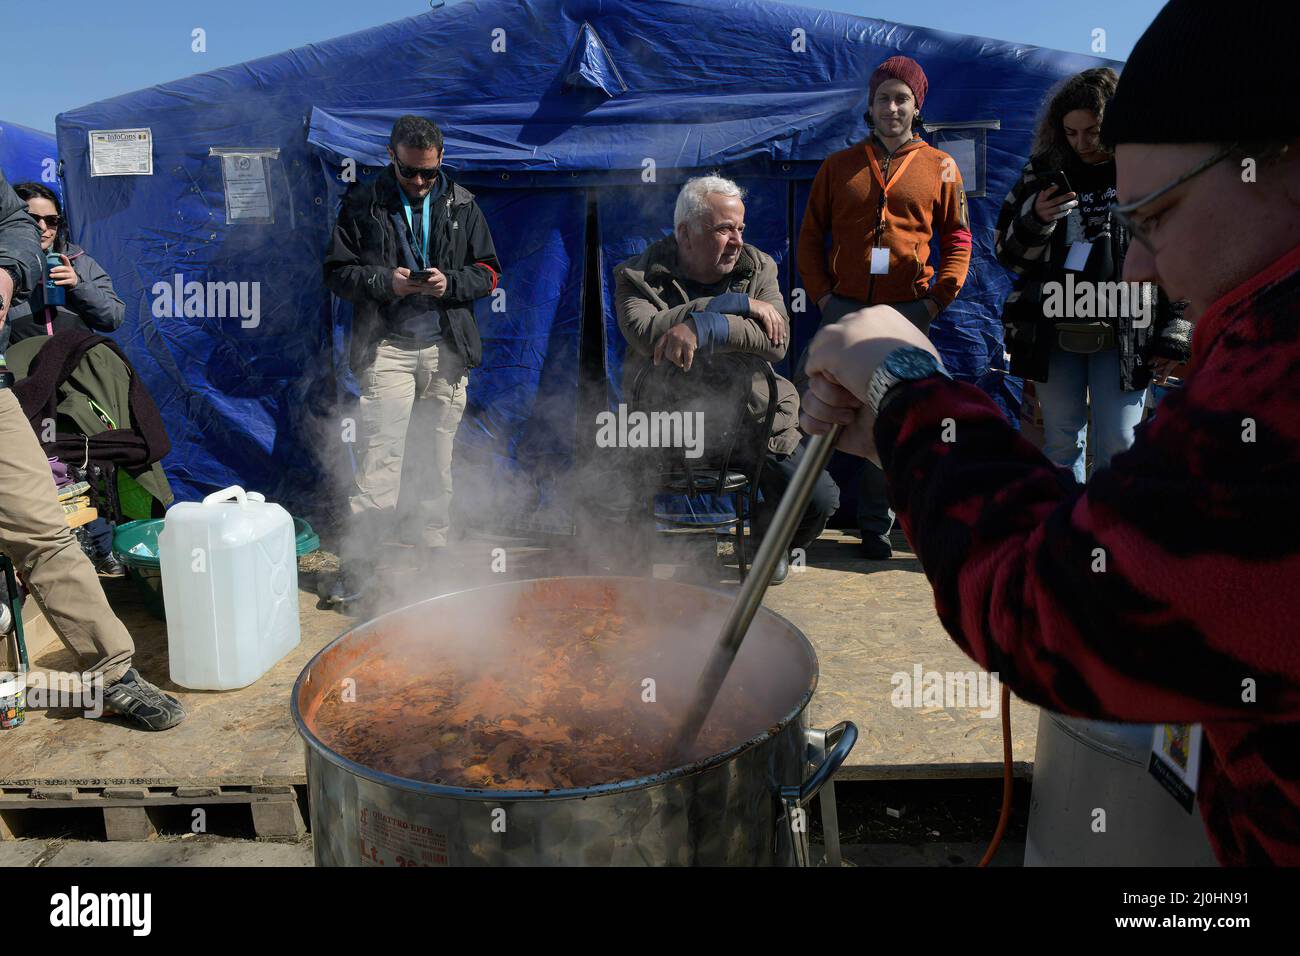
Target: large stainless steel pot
744, 806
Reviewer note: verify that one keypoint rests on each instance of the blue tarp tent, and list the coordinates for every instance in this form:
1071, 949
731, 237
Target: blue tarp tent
574, 121
28, 155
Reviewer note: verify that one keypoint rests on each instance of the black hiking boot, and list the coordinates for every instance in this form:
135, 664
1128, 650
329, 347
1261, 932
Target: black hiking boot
876, 547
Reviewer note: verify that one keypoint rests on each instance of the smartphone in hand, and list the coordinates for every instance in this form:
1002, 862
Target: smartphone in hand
1058, 179
424, 275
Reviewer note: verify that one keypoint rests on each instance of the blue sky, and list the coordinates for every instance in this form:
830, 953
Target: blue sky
68, 53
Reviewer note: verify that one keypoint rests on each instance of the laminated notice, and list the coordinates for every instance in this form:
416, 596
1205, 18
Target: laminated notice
962, 152
246, 179
121, 152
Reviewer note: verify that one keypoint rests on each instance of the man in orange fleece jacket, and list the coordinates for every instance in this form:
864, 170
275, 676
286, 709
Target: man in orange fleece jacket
881, 201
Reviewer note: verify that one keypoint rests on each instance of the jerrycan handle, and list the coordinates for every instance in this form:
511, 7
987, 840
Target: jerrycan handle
235, 492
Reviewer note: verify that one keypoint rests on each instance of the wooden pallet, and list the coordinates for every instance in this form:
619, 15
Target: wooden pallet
126, 810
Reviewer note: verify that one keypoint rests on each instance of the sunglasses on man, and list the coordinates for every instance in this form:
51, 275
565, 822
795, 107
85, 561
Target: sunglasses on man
1140, 226
47, 222
415, 172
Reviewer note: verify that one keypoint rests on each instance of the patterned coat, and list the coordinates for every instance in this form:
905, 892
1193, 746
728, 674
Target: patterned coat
1036, 254
1196, 616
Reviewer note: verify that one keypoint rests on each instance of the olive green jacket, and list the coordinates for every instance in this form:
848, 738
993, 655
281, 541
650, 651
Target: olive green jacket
100, 377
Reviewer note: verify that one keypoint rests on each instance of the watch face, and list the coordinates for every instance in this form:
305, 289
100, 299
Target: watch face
910, 363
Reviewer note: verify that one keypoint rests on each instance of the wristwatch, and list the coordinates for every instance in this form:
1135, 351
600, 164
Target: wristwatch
906, 364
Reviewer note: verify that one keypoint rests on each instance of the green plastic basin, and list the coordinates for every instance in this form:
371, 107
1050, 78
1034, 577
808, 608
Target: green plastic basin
146, 570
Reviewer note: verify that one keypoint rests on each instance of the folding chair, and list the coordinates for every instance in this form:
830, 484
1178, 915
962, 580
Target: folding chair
732, 470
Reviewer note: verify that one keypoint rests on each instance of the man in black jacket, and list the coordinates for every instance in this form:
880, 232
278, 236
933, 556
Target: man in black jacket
411, 251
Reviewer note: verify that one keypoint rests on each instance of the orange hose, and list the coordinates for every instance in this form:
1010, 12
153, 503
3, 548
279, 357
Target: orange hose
1005, 814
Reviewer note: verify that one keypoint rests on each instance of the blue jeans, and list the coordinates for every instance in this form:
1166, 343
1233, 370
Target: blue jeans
1071, 378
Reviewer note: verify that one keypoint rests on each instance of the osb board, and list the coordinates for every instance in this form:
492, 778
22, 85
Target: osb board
236, 738
867, 621
243, 737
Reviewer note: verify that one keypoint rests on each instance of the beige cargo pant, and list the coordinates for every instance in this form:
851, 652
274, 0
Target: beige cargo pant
35, 535
412, 402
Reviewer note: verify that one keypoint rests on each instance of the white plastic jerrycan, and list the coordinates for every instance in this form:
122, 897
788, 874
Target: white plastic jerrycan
230, 586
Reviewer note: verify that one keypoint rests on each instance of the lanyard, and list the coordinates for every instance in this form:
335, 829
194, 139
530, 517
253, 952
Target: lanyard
880, 178
422, 252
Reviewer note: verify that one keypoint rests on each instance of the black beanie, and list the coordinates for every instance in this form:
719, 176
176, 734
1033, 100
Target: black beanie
1206, 71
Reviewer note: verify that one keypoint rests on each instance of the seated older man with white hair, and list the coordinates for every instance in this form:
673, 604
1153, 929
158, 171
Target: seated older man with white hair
698, 298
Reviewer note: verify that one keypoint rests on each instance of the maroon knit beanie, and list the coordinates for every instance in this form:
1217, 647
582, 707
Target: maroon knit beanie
901, 68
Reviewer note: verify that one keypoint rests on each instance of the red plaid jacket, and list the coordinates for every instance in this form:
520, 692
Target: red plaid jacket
1196, 617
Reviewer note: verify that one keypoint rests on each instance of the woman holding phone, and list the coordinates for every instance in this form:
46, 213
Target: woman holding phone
1072, 326
76, 294
84, 297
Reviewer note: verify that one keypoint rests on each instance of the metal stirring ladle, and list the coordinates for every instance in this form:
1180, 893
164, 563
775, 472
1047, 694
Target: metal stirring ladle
777, 540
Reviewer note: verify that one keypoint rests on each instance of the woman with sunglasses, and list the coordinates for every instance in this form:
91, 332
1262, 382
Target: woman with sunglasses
89, 301
1060, 242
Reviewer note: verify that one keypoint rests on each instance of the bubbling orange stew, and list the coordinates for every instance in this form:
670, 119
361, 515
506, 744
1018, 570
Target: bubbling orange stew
568, 707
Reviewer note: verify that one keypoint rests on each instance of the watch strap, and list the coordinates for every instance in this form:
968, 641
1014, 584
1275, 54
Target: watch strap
884, 381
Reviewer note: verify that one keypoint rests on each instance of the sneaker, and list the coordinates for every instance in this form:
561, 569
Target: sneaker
135, 698
110, 566
876, 547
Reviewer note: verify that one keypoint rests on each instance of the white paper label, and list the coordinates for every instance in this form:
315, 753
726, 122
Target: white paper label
121, 152
1078, 256
963, 153
879, 262
247, 179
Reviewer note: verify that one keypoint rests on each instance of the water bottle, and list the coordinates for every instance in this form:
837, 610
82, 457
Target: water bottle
54, 294
230, 586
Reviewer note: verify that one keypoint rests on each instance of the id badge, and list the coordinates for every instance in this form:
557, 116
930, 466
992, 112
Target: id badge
879, 261
1077, 258
1176, 760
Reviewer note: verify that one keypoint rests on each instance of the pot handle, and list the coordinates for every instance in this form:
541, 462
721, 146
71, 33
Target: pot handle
843, 735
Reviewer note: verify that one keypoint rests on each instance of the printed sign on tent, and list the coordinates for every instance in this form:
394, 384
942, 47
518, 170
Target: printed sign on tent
246, 179
966, 143
121, 152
